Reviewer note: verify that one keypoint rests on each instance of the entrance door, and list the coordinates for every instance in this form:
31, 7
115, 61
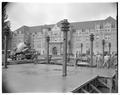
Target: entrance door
54, 51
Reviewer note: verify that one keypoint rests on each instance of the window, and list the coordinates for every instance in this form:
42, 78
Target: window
20, 32
17, 32
108, 30
97, 37
113, 26
101, 26
15, 35
97, 45
87, 38
83, 30
78, 33
73, 30
87, 45
97, 26
39, 45
54, 50
107, 25
49, 29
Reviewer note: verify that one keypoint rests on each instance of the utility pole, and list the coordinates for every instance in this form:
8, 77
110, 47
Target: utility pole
81, 50
109, 48
65, 29
103, 44
91, 49
109, 54
47, 40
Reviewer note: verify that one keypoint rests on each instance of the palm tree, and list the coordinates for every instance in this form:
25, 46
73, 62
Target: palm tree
4, 17
5, 31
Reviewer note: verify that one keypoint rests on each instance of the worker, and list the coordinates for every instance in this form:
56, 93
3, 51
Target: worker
106, 60
98, 60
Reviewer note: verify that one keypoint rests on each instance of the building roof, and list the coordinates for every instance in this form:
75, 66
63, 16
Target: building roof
23, 28
91, 24
86, 24
75, 25
39, 28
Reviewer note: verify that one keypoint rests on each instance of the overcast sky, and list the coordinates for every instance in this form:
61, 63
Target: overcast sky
34, 14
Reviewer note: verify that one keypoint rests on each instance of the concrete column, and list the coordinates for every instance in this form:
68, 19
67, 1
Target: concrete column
81, 50
65, 54
109, 55
47, 40
91, 49
109, 48
103, 44
65, 29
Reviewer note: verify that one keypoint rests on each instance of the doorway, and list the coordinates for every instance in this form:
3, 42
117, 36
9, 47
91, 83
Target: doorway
54, 51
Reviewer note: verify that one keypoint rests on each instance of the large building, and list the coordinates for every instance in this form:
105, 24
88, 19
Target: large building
78, 33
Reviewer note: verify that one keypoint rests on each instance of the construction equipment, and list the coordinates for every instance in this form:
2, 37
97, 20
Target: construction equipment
22, 51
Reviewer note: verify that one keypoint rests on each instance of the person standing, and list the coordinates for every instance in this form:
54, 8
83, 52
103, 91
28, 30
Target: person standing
106, 61
35, 58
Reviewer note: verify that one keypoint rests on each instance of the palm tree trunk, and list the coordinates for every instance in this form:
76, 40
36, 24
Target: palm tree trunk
6, 46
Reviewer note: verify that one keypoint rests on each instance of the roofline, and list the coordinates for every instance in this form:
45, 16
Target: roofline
47, 25
93, 20
21, 27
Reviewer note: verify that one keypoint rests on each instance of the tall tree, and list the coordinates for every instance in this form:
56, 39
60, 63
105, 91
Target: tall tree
5, 23
5, 31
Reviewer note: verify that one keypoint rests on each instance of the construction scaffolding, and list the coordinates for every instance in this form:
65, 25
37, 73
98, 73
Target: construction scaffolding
99, 85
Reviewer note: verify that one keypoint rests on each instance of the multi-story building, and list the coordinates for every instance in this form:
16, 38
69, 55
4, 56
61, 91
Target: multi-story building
79, 33
102, 29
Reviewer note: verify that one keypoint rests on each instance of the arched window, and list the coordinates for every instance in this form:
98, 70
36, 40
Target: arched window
54, 51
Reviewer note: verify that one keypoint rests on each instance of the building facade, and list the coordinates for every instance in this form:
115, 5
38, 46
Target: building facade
79, 33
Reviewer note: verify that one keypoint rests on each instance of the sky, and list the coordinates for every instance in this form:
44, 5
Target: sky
35, 14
